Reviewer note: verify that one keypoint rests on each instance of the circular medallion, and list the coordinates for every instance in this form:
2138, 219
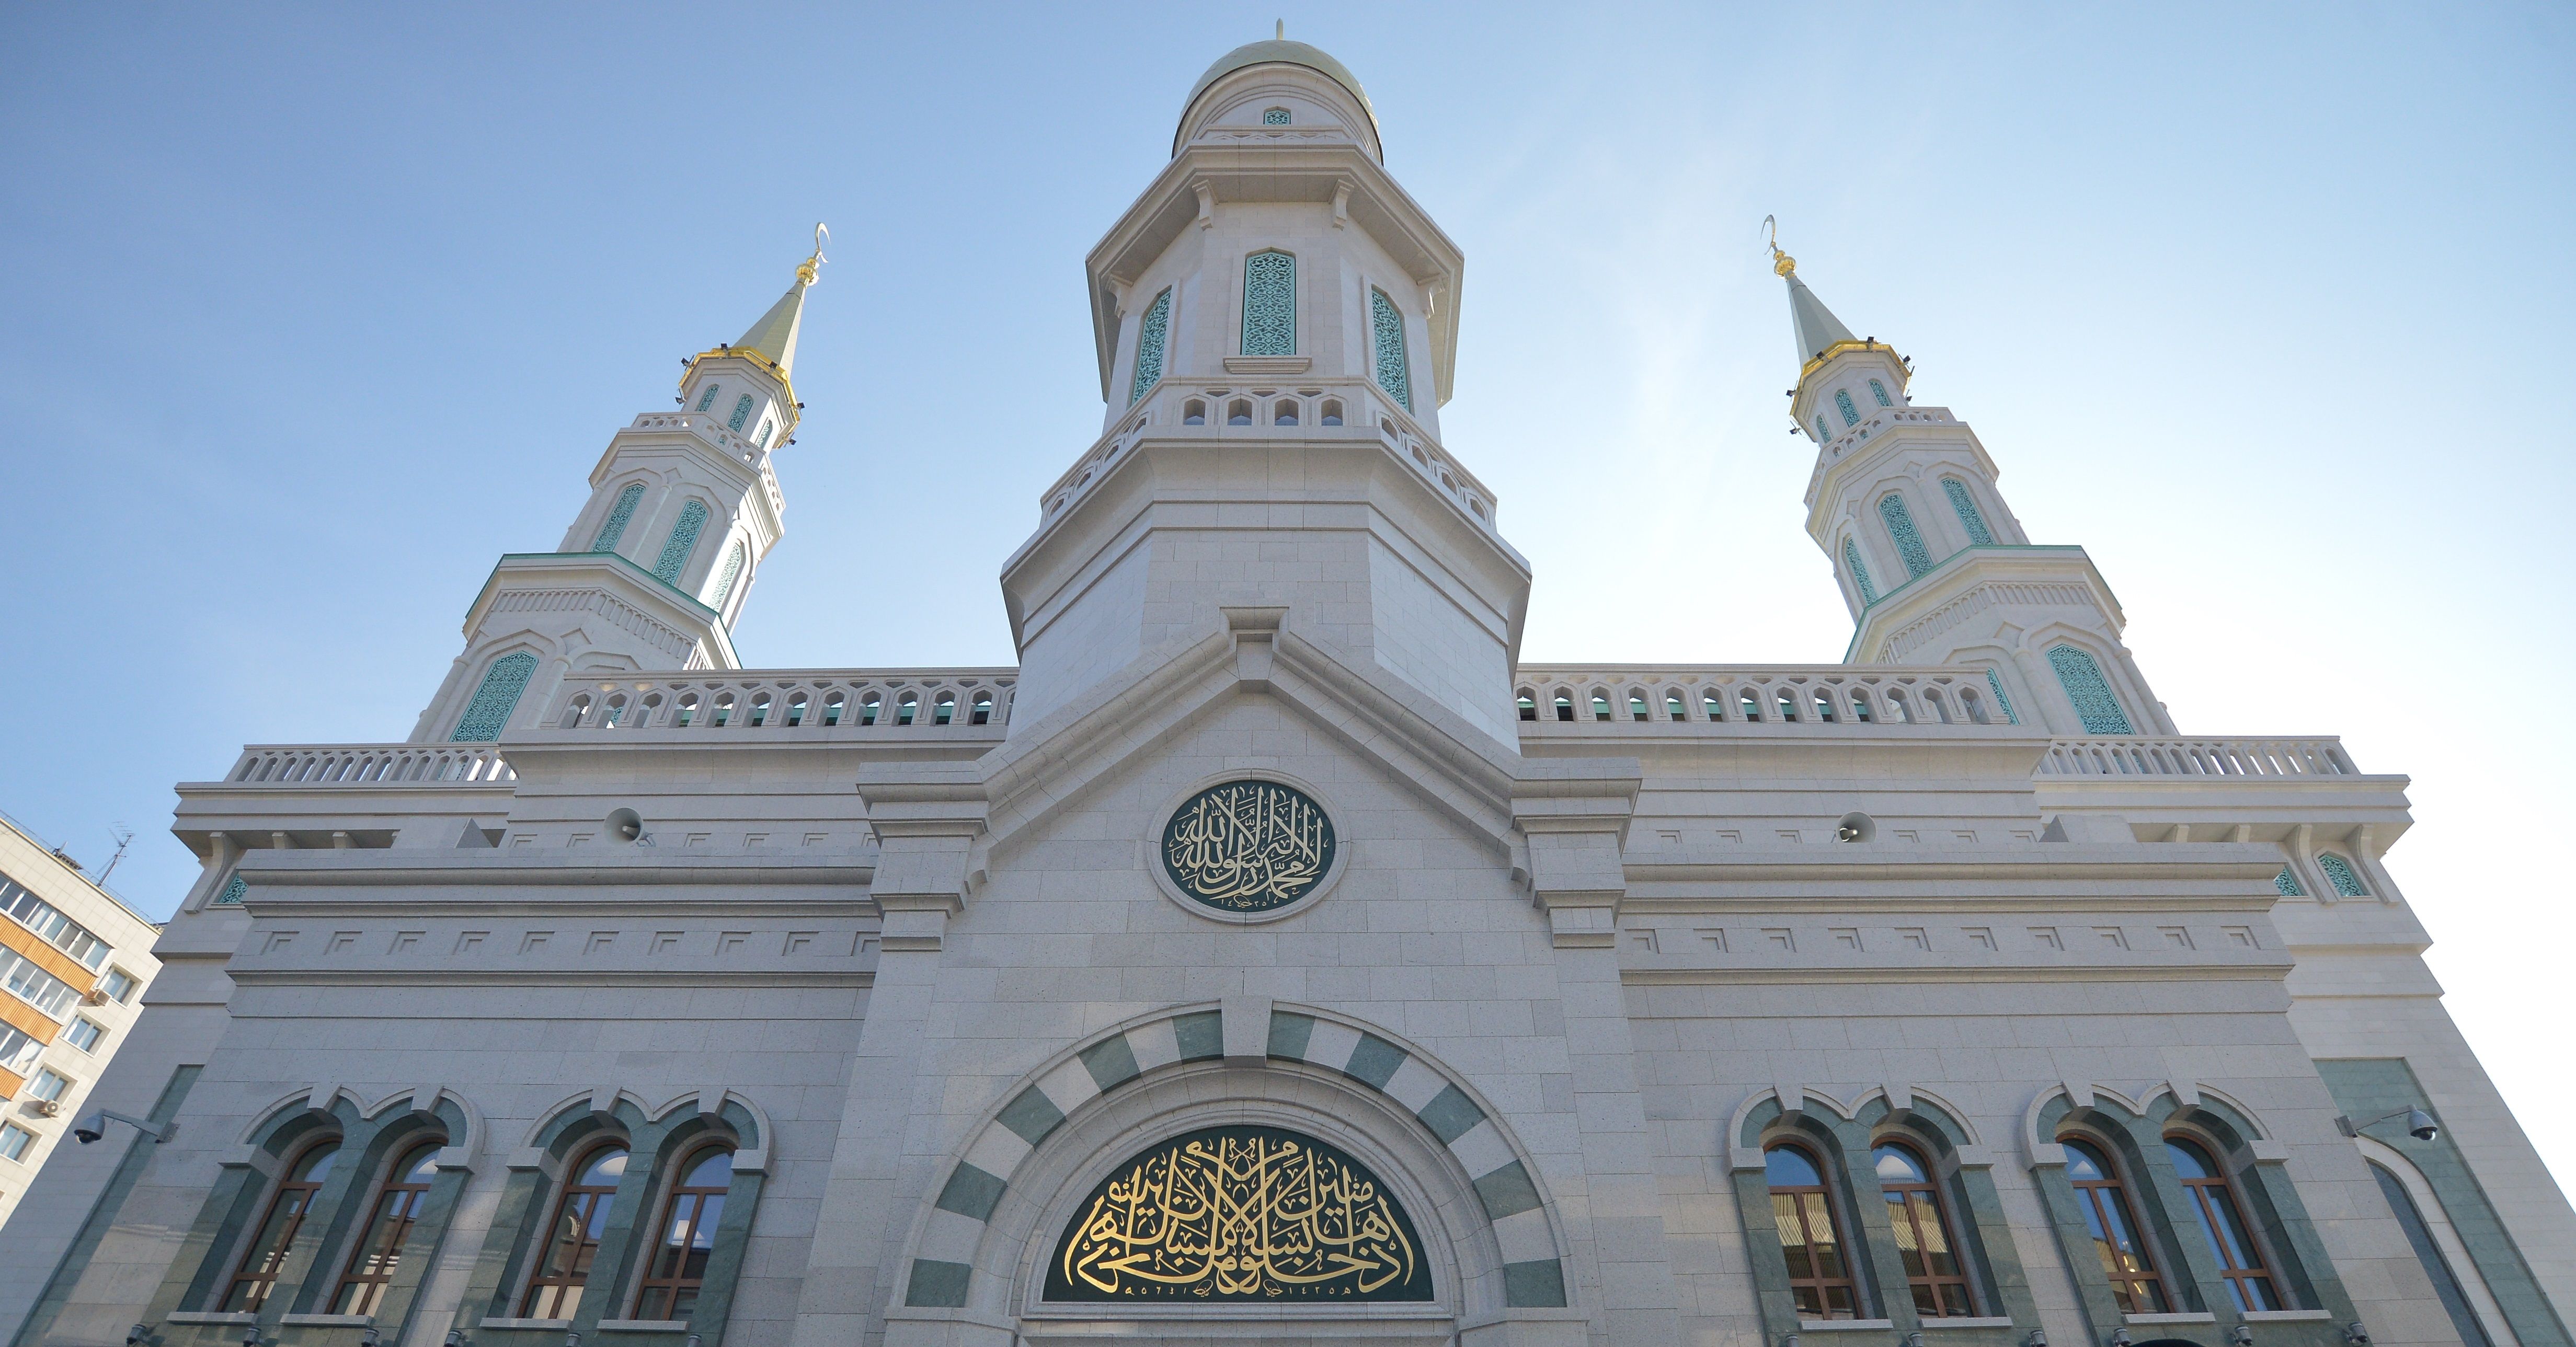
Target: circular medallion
1248, 846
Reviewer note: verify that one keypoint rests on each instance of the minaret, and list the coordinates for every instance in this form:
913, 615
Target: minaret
1275, 321
657, 565
1933, 563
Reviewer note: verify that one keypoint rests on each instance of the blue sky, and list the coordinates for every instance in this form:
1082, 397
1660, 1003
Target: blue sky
312, 313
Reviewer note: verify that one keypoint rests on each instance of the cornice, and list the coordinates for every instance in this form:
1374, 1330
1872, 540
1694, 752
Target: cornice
621, 579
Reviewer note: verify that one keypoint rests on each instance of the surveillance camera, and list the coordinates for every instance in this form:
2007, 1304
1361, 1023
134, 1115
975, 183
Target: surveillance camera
90, 1129
2420, 1125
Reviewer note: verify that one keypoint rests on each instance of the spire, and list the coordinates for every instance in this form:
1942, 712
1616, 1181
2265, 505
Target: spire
773, 338
1817, 329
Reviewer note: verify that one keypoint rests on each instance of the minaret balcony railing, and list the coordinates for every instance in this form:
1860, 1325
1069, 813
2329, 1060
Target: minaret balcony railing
810, 702
1300, 408
1879, 421
711, 431
1561, 700
370, 765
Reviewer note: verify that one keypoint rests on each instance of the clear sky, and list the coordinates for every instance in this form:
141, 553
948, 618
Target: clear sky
311, 313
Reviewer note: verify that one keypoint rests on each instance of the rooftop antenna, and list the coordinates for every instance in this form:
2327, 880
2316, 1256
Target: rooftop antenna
124, 838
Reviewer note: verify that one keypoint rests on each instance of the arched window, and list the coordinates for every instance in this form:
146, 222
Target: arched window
759, 709
1274, 116
1749, 704
907, 708
724, 583
683, 541
1386, 327
1284, 412
1860, 706
945, 709
1820, 1277
1822, 434
1969, 517
1788, 703
1924, 1233
1824, 707
1859, 573
1528, 707
379, 1252
572, 1237
1900, 527
489, 712
1879, 391
1637, 706
614, 527
983, 713
1239, 414
1843, 404
741, 413
1332, 412
277, 1228
2222, 1222
796, 704
1194, 413
1674, 707
1153, 335
868, 709
708, 398
1600, 706
685, 1236
2339, 873
1996, 686
1974, 705
2108, 1215
1712, 705
2288, 884
724, 711
833, 707
2437, 1267
2094, 703
1564, 706
1270, 304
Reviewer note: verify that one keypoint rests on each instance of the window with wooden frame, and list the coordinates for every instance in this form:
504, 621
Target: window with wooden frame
397, 1208
572, 1237
676, 1265
1802, 1205
274, 1236
2222, 1222
1925, 1237
2112, 1220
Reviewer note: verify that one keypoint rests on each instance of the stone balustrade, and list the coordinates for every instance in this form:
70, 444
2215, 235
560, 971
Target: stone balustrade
1270, 409
1827, 694
2141, 756
1878, 420
781, 701
369, 765
712, 430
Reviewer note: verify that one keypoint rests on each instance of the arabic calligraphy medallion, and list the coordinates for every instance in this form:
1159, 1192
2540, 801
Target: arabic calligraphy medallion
1248, 846
1256, 1214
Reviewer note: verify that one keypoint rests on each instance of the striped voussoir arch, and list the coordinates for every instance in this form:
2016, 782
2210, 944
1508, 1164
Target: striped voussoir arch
1533, 1266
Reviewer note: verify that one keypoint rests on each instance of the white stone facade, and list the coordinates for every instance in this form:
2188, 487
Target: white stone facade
1592, 944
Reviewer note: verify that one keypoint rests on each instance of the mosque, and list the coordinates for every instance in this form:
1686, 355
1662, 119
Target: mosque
1272, 956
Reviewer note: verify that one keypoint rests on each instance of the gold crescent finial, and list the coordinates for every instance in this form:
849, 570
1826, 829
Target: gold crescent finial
1782, 264
812, 267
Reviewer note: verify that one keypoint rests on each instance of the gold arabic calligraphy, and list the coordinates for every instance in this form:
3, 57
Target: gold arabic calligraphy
1241, 1213
1248, 846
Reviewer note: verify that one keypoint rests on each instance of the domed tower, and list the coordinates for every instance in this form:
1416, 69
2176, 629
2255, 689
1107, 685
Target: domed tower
659, 562
1933, 563
1276, 325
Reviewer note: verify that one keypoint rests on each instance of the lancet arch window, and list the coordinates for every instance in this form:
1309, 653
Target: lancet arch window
1153, 335
1859, 573
732, 572
495, 698
2222, 1223
683, 541
613, 528
1270, 304
1675, 708
1600, 705
1970, 518
2111, 1219
379, 1251
1879, 391
708, 398
1564, 705
581, 1215
1386, 326
1528, 705
1810, 1230
1822, 434
741, 413
684, 1236
2339, 873
1637, 705
2095, 704
289, 1204
1901, 531
1843, 404
2287, 884
1927, 1239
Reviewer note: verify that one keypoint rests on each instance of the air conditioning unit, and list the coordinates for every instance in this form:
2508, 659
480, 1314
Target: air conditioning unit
94, 997
44, 1108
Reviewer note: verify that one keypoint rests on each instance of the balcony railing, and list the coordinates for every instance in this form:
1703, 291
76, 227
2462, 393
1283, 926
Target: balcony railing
2197, 757
781, 701
1828, 694
370, 765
